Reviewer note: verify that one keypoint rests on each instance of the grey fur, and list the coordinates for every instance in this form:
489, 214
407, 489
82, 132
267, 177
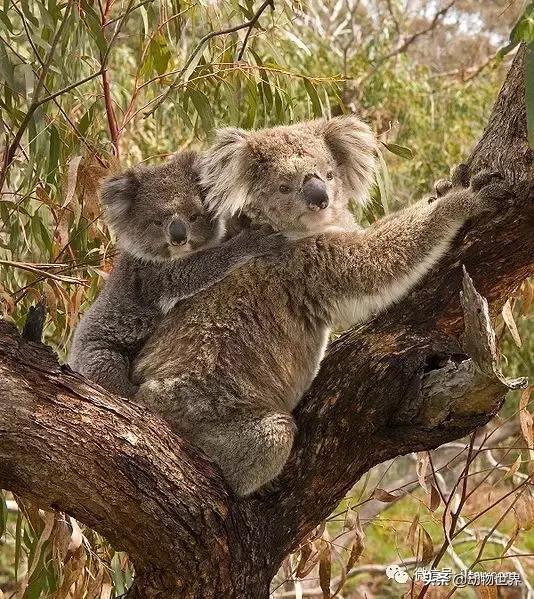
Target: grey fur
244, 170
227, 369
151, 275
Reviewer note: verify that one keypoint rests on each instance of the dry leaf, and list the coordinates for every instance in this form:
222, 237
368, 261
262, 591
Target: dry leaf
49, 520
527, 295
384, 496
76, 538
524, 510
428, 548
72, 177
51, 299
525, 419
435, 498
514, 467
510, 323
411, 533
325, 569
423, 460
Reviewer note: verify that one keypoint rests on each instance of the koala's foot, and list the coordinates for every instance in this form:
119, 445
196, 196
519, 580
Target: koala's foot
251, 451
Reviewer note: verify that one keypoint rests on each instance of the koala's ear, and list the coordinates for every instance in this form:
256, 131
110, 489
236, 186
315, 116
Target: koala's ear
354, 148
118, 195
222, 172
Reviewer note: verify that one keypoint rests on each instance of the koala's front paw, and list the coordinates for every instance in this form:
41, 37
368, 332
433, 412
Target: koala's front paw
472, 196
272, 243
491, 193
259, 242
459, 179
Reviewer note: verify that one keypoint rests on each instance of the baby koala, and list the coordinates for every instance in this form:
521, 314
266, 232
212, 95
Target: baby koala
169, 251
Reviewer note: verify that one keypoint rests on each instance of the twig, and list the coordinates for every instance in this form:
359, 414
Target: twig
253, 22
127, 12
409, 41
393, 17
200, 46
31, 268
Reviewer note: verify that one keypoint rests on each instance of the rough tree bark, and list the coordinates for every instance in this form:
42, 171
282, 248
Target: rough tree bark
66, 445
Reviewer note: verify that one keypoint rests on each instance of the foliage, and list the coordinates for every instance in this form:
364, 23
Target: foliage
82, 82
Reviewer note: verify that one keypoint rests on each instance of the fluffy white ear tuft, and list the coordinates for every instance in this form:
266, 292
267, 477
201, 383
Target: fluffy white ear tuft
222, 172
118, 195
354, 148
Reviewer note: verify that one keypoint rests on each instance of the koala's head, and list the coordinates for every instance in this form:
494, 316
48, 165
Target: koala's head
158, 212
297, 178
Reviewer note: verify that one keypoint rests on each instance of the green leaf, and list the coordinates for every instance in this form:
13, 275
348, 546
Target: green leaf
28, 13
314, 97
160, 54
18, 543
3, 514
523, 31
6, 20
401, 151
204, 109
7, 71
94, 26
53, 160
529, 89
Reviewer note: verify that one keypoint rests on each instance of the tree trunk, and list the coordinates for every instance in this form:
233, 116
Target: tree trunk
398, 384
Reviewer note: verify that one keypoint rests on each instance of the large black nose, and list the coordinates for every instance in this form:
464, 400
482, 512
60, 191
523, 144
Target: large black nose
177, 232
315, 193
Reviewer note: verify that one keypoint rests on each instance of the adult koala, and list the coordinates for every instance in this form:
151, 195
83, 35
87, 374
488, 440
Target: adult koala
228, 367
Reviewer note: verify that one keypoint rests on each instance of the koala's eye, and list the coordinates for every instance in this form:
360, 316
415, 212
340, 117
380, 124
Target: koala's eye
284, 188
330, 175
194, 217
158, 223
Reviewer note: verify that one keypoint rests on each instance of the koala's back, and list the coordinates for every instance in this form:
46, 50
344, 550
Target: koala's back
251, 339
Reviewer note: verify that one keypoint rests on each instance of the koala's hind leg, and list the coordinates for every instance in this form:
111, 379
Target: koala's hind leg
252, 450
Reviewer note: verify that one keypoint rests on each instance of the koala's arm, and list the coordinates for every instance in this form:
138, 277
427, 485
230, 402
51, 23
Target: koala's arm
184, 278
103, 364
368, 271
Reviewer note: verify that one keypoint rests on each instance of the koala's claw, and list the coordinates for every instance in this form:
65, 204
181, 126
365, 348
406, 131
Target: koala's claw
484, 178
493, 192
461, 175
442, 186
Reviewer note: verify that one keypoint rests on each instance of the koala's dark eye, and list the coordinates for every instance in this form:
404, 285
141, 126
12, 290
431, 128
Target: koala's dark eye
330, 175
158, 223
194, 217
284, 188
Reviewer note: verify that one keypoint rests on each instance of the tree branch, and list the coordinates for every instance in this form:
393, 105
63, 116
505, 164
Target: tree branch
67, 445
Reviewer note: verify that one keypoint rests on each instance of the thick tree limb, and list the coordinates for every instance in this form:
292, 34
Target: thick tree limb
69, 446
66, 445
